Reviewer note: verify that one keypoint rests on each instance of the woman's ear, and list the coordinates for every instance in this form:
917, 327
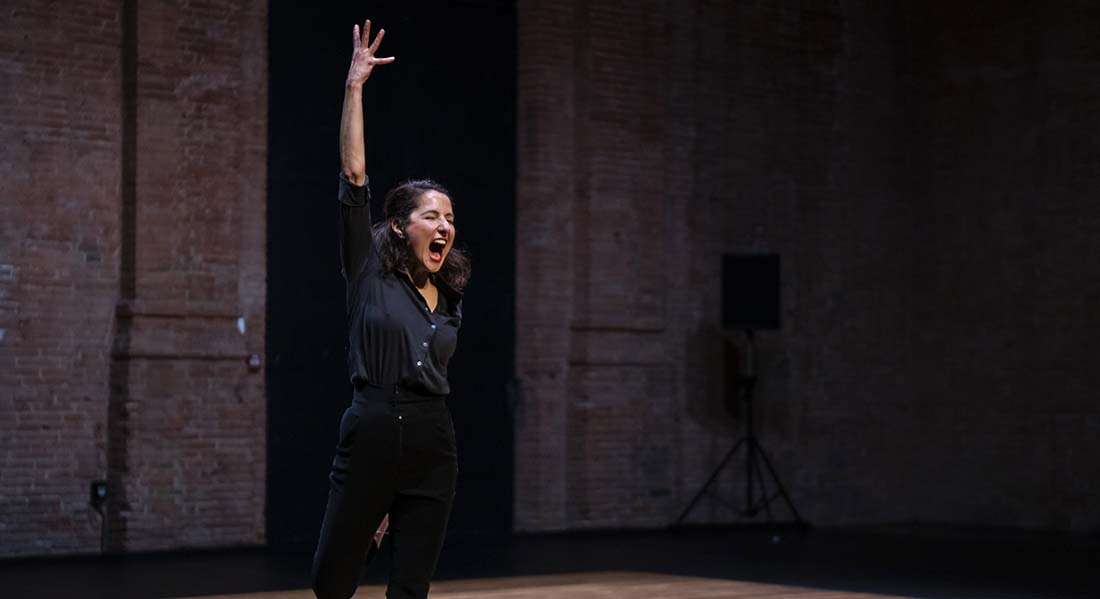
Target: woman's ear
397, 229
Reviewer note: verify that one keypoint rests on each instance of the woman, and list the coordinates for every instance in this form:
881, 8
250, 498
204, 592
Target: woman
396, 453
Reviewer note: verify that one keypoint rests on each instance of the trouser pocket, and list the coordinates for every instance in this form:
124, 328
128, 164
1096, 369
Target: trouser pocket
346, 440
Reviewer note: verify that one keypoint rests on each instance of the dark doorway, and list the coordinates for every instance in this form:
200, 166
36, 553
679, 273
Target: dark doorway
444, 109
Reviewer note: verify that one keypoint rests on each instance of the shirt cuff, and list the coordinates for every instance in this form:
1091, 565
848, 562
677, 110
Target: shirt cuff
352, 194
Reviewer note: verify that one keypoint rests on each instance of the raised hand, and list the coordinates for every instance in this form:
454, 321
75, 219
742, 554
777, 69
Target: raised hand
363, 56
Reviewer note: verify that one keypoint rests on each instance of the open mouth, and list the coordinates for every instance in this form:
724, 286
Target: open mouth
436, 249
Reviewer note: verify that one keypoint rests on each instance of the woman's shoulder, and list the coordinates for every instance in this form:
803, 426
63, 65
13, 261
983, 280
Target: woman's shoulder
372, 271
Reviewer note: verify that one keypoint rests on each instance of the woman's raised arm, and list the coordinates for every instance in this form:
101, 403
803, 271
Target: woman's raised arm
353, 158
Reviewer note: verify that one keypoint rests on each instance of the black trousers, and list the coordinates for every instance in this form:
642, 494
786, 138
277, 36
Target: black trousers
396, 455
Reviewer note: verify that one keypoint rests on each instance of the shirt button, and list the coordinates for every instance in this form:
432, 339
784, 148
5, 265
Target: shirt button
425, 344
433, 327
418, 362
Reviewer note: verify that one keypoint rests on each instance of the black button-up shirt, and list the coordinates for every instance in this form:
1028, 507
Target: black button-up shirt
393, 337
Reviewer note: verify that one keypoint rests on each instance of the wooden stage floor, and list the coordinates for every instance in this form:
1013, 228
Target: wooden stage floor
595, 585
734, 562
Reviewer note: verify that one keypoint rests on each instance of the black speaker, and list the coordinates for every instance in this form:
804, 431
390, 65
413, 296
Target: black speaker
750, 291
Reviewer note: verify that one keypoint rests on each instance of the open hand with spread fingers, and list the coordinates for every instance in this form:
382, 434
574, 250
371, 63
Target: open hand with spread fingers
363, 56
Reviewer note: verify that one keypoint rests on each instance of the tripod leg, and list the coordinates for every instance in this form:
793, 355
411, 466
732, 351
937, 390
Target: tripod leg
764, 500
710, 481
779, 483
750, 445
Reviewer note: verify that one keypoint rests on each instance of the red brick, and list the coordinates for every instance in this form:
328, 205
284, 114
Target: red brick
923, 174
201, 121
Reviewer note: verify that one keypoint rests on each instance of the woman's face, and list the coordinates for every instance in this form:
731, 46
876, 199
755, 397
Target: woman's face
430, 231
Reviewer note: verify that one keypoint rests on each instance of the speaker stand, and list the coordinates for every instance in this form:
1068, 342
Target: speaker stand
755, 456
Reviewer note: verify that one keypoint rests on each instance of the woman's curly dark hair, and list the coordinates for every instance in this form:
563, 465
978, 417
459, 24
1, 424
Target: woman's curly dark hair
394, 251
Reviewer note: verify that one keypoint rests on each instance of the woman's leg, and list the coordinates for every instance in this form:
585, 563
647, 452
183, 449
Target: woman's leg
418, 516
360, 492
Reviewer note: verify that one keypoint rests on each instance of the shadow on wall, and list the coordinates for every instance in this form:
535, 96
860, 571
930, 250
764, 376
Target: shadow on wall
714, 399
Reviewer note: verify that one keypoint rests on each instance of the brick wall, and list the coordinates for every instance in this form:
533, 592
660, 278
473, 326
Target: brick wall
59, 231
131, 252
1006, 173
924, 173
